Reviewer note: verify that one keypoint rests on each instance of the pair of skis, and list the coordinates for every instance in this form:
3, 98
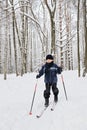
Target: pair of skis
44, 109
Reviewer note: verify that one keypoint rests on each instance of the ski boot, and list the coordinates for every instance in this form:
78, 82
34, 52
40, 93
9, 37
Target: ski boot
55, 98
46, 102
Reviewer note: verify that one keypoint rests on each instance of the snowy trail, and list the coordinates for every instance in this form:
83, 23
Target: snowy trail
15, 100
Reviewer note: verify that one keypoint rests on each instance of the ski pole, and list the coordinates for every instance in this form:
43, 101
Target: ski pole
30, 113
64, 87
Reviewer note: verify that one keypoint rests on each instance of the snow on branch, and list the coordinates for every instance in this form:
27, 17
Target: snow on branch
61, 46
62, 40
61, 30
63, 51
34, 20
30, 17
71, 37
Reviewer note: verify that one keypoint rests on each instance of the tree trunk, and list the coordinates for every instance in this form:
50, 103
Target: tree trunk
26, 39
14, 39
85, 33
78, 53
52, 15
31, 50
52, 34
6, 44
23, 60
60, 34
10, 55
0, 55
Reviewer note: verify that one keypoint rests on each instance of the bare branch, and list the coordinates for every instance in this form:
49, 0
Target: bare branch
34, 20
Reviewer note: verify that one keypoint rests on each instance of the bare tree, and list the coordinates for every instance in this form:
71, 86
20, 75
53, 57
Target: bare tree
26, 38
30, 35
78, 38
68, 52
60, 33
14, 38
0, 40
52, 10
9, 51
85, 33
6, 42
22, 40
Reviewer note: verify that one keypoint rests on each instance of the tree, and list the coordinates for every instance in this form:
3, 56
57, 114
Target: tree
61, 33
0, 41
33, 32
85, 37
52, 10
6, 42
14, 38
65, 35
78, 52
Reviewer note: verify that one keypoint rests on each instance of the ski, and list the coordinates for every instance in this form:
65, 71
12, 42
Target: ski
45, 108
42, 112
53, 106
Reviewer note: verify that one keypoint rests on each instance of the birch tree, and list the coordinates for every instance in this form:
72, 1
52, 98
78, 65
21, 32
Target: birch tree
6, 42
69, 37
60, 33
0, 39
30, 36
85, 37
14, 38
22, 39
78, 31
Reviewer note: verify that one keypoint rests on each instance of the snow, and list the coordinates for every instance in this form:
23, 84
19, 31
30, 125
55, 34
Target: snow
16, 96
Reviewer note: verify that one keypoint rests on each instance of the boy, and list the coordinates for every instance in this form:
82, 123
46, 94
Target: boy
50, 69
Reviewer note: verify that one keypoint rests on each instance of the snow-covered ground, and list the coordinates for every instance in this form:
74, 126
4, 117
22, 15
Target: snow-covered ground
16, 96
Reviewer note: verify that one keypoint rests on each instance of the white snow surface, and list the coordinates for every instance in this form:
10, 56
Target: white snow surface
16, 95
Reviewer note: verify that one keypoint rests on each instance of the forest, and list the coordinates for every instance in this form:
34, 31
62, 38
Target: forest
31, 29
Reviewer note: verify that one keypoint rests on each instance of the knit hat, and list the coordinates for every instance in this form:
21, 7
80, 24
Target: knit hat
49, 57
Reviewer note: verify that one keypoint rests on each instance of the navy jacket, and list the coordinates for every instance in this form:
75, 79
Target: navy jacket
50, 73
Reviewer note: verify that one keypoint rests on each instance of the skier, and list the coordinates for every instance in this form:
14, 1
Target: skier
50, 70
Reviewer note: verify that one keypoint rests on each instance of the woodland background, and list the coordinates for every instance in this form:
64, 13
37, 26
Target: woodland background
31, 29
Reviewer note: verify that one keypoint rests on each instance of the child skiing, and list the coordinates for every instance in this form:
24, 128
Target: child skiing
50, 70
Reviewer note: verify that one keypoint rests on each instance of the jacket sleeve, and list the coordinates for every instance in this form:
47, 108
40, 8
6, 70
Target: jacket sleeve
59, 70
41, 72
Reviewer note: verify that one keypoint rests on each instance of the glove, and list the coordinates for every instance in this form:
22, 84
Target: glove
61, 69
37, 76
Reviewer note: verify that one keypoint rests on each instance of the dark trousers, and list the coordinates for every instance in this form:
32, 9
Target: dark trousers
48, 88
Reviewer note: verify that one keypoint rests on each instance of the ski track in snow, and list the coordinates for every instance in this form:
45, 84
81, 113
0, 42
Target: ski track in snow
16, 96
